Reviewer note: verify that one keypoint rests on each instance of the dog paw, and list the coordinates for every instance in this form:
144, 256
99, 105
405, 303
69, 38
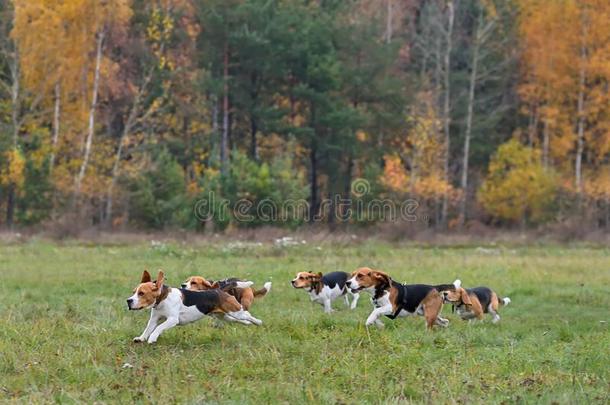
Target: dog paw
256, 322
151, 341
138, 339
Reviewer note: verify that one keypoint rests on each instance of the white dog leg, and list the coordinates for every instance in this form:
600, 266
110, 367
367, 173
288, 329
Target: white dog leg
168, 324
150, 327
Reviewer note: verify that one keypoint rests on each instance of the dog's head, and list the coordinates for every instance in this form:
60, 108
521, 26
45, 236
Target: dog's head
146, 293
306, 279
198, 283
368, 279
458, 296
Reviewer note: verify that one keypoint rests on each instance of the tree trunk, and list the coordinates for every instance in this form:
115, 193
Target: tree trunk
10, 206
15, 113
313, 199
56, 121
389, 22
91, 129
16, 108
253, 146
467, 135
214, 118
545, 144
131, 120
581, 128
224, 143
347, 188
446, 107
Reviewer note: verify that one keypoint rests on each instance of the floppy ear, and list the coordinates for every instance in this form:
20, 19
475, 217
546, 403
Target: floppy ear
207, 284
382, 276
160, 280
465, 297
145, 277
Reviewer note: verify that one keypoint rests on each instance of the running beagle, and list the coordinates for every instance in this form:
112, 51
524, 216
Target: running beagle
176, 306
238, 288
470, 303
324, 289
393, 299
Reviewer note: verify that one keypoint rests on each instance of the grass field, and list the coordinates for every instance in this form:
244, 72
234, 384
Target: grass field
65, 332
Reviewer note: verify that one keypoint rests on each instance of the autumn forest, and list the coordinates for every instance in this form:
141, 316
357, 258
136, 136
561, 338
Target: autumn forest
130, 114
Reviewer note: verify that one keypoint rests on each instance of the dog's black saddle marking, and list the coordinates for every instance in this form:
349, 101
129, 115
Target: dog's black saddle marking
409, 297
205, 301
484, 296
335, 278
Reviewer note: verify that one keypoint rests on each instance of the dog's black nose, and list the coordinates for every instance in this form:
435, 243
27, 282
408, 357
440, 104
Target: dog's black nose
348, 283
183, 285
129, 302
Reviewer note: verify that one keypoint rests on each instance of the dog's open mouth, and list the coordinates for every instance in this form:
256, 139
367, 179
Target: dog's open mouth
355, 290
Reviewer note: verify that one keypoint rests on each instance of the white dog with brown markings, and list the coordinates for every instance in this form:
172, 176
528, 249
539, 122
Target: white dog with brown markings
174, 306
392, 299
325, 288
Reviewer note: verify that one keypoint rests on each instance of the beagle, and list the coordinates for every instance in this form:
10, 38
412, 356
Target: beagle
393, 299
324, 289
176, 306
240, 289
472, 303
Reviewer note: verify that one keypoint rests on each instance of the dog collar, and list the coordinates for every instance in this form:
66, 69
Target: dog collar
162, 296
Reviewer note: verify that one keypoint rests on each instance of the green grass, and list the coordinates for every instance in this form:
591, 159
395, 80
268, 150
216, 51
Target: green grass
65, 332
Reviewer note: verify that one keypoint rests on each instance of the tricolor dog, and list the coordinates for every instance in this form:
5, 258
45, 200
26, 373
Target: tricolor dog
470, 303
324, 289
393, 299
173, 306
238, 288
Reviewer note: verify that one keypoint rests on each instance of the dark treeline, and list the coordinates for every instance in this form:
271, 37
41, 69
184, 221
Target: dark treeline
153, 114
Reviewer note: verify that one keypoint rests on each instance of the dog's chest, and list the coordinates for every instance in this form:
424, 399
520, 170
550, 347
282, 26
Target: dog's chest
384, 300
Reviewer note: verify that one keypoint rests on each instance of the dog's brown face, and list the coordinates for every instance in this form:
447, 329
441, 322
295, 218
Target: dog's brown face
198, 283
147, 292
305, 279
365, 278
457, 297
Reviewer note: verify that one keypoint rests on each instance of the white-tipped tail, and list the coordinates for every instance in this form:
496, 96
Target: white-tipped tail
267, 286
506, 300
457, 283
244, 284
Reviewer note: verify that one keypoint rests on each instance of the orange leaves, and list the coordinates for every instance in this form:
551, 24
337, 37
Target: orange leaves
562, 42
422, 151
395, 176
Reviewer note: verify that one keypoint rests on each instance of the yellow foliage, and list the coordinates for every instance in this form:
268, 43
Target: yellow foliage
597, 186
517, 186
563, 40
423, 149
13, 173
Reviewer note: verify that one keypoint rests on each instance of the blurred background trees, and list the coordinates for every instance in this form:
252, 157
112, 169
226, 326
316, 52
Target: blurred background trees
125, 113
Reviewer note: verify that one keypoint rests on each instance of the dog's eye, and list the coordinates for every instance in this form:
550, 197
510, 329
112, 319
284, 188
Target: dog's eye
140, 293
359, 276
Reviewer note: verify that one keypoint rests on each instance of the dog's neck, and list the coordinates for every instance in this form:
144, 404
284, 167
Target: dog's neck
381, 289
316, 286
164, 293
